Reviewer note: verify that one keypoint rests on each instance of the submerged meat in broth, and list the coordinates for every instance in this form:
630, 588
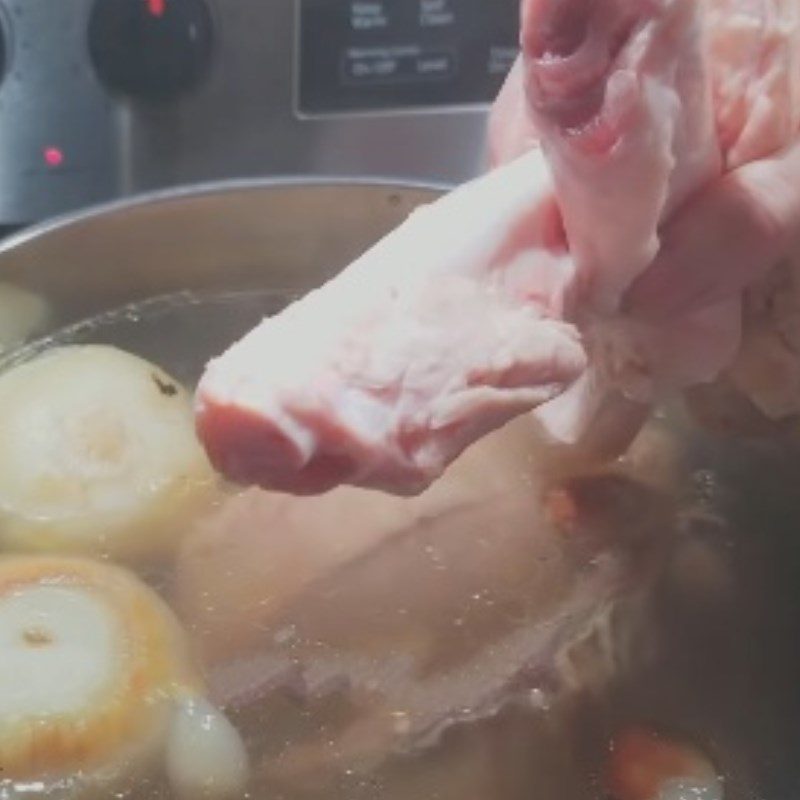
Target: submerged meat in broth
429, 612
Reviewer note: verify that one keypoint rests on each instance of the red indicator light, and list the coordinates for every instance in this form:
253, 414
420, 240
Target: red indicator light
156, 8
53, 156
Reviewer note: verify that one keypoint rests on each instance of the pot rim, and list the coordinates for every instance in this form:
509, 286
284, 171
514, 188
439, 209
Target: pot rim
208, 189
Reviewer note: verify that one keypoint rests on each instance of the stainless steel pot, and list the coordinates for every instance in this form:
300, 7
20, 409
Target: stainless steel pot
291, 236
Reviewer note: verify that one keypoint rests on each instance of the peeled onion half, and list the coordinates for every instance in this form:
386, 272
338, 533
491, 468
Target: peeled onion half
96, 685
97, 455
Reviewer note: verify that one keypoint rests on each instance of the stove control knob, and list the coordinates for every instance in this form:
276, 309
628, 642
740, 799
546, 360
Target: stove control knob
151, 49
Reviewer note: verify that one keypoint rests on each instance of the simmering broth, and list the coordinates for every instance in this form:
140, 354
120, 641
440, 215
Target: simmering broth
492, 638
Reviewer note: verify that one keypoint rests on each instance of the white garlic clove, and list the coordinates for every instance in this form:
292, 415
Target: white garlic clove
206, 757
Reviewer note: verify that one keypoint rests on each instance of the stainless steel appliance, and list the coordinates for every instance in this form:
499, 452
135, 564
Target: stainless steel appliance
102, 99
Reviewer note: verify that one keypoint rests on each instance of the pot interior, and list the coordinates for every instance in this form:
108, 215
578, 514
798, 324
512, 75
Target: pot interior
432, 647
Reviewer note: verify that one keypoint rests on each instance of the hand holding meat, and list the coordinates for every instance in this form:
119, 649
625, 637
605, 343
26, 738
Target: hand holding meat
628, 135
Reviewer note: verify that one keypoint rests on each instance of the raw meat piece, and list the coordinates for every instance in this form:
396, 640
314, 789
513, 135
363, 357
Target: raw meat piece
626, 142
450, 326
750, 214
443, 332
755, 47
749, 221
754, 50
755, 80
759, 394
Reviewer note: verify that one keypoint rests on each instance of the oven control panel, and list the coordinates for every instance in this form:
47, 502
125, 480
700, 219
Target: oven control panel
368, 55
105, 99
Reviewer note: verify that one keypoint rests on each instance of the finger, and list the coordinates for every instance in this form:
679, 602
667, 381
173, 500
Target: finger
511, 132
724, 239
